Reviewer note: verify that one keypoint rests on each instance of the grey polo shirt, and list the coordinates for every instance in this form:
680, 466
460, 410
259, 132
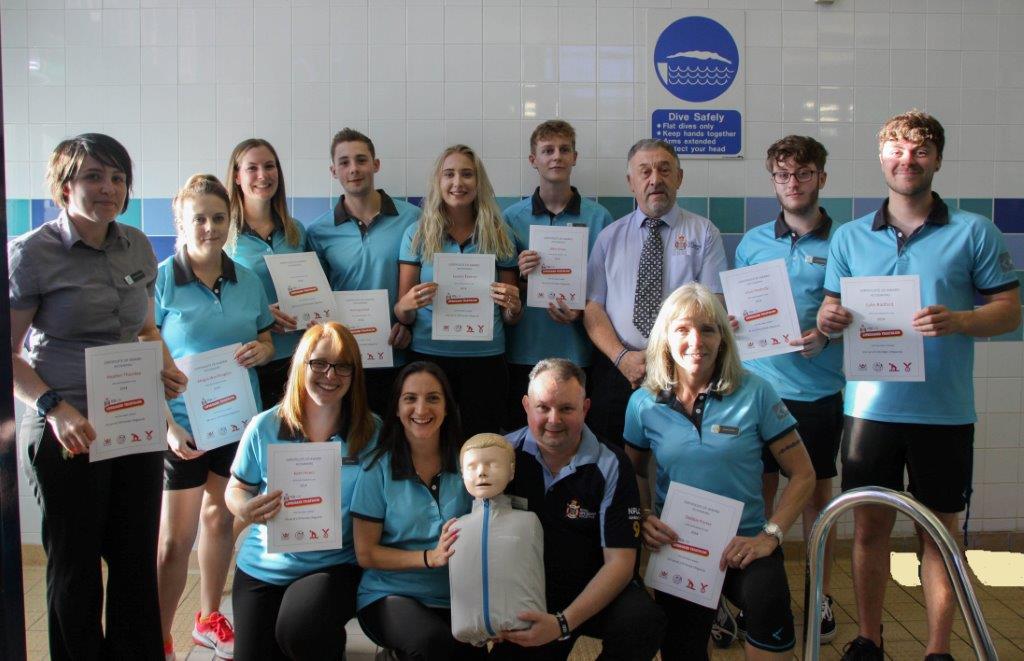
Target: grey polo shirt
83, 297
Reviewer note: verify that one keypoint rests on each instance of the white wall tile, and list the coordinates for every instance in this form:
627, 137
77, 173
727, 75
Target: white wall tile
799, 66
577, 25
800, 28
46, 66
311, 26
463, 25
273, 25
540, 63
463, 100
463, 62
907, 32
81, 28
501, 24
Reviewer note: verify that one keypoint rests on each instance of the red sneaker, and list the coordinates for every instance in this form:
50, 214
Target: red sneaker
216, 633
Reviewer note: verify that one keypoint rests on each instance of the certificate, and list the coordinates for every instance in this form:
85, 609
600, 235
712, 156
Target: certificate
309, 477
881, 343
705, 523
562, 273
219, 398
367, 317
463, 309
125, 398
302, 288
761, 300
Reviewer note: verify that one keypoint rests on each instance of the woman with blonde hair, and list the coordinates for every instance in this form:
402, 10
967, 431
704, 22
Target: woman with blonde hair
262, 226
707, 421
295, 605
461, 215
204, 301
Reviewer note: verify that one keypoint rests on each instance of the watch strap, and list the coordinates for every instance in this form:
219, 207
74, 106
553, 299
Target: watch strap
563, 626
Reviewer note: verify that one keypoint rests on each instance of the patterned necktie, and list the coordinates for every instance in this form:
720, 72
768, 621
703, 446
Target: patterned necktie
649, 278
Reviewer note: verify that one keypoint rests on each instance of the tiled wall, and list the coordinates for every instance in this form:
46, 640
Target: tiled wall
181, 81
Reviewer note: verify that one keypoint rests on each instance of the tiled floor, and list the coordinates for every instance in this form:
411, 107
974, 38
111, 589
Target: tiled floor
904, 618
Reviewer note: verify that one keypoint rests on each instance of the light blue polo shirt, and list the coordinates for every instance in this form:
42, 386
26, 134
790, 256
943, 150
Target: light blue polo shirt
719, 450
537, 336
795, 377
411, 518
249, 251
251, 467
193, 319
955, 253
421, 329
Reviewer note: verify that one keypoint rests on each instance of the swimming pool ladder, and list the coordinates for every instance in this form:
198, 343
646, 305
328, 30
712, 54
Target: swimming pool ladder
955, 564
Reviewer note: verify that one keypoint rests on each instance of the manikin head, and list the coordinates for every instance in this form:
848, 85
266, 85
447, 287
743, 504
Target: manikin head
488, 464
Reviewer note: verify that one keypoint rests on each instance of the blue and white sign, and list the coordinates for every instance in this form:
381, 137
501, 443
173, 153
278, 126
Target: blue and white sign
696, 95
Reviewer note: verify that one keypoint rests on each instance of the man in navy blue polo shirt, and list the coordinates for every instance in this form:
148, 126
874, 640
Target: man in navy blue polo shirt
359, 240
557, 330
584, 492
926, 427
810, 381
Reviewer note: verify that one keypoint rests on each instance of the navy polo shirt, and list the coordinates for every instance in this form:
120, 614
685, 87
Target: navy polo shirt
411, 514
955, 253
421, 329
250, 250
796, 377
251, 467
356, 257
719, 448
590, 505
193, 318
537, 336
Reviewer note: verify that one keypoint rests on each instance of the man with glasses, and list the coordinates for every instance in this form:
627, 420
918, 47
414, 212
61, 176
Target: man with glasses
923, 427
810, 381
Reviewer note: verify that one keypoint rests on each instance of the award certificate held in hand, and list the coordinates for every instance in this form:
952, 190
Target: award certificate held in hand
562, 272
219, 397
705, 523
366, 315
309, 477
463, 309
125, 399
761, 300
302, 288
880, 344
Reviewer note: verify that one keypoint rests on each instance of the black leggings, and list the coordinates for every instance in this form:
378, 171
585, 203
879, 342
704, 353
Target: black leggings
480, 385
761, 590
414, 631
302, 620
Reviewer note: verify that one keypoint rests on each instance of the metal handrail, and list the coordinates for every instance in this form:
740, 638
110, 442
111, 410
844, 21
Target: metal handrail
984, 649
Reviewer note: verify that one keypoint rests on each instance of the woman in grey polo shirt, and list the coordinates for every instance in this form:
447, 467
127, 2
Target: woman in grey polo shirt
85, 280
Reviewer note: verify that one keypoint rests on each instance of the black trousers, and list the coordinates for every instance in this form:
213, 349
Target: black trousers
415, 632
609, 395
630, 628
110, 510
272, 378
302, 620
481, 389
379, 382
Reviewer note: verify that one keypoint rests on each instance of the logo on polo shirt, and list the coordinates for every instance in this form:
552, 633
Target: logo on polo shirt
573, 510
1005, 262
780, 410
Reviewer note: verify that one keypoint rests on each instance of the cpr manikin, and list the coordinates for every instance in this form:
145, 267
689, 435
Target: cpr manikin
497, 569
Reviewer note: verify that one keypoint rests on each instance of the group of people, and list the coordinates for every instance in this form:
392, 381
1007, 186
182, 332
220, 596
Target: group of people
650, 365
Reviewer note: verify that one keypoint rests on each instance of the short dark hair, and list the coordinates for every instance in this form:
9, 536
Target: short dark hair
803, 149
67, 158
351, 135
550, 129
916, 126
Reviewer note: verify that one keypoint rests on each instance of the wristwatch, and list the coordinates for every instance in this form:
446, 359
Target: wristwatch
47, 401
774, 530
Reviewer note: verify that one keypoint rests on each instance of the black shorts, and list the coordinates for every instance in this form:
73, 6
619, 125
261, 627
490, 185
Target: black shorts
761, 591
938, 458
820, 425
189, 473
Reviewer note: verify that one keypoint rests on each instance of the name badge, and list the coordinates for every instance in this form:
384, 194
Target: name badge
820, 261
350, 461
134, 277
725, 429
520, 503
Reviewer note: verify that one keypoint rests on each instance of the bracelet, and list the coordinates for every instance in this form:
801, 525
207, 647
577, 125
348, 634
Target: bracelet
425, 563
618, 359
563, 626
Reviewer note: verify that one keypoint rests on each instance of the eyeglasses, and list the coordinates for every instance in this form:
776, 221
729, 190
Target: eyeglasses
803, 176
324, 367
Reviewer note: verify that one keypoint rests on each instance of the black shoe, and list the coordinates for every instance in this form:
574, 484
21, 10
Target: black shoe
741, 625
723, 631
939, 657
863, 649
828, 620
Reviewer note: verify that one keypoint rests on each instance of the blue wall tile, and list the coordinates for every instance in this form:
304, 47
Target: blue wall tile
730, 241
1008, 214
43, 211
1015, 244
308, 209
866, 205
163, 246
840, 209
19, 217
760, 210
158, 217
